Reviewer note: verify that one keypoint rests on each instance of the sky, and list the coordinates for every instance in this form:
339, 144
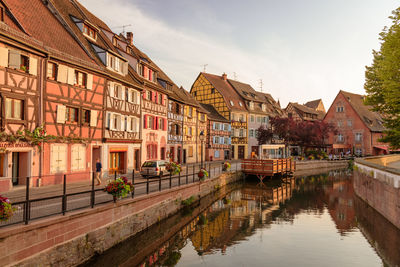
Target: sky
301, 49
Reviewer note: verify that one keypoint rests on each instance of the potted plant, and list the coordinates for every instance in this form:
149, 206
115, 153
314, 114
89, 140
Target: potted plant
226, 166
119, 188
6, 209
173, 167
203, 174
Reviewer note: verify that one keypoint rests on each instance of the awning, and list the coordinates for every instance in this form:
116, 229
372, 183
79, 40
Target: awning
386, 148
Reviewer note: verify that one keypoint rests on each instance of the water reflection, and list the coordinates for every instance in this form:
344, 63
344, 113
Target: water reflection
315, 219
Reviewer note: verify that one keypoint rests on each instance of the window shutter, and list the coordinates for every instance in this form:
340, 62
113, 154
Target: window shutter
14, 59
33, 62
126, 66
155, 123
156, 98
144, 94
145, 72
62, 74
129, 95
3, 57
108, 123
111, 89
71, 76
229, 127
164, 99
112, 118
129, 124
93, 118
121, 92
137, 97
119, 122
61, 113
145, 121
89, 84
165, 124
82, 156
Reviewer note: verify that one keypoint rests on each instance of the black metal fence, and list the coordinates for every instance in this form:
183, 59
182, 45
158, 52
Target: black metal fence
37, 203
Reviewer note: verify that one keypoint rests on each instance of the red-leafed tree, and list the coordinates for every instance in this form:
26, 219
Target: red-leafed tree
264, 135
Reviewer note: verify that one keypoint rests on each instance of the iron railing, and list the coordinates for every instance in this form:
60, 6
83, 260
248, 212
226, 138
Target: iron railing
34, 203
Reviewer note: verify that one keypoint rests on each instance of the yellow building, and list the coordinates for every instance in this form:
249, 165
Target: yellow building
217, 91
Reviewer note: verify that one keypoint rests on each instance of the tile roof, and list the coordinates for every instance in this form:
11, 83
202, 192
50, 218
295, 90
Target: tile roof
227, 91
213, 113
313, 104
50, 36
273, 107
72, 8
370, 118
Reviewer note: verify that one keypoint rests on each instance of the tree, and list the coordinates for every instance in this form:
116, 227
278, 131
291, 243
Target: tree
382, 80
264, 135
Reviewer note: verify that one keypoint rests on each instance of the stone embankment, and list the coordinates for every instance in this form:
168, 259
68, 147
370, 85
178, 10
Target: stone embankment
76, 237
379, 185
311, 167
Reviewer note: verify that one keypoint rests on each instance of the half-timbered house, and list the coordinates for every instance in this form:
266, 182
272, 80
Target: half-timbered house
19, 94
120, 149
218, 141
218, 92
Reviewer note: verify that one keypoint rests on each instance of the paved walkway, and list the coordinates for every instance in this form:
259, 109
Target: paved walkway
18, 193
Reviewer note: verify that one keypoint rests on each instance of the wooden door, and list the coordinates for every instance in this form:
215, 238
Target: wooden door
15, 167
240, 152
136, 158
116, 162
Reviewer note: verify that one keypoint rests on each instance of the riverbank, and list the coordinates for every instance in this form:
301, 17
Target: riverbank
74, 238
379, 185
311, 167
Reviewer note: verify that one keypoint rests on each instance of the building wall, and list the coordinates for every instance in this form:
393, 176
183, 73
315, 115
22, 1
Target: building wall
175, 140
190, 133
254, 125
348, 123
18, 85
238, 142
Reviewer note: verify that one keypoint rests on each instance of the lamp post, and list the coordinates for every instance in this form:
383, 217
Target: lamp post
201, 137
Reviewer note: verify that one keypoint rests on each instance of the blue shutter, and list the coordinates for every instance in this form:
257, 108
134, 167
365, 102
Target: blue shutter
229, 127
230, 140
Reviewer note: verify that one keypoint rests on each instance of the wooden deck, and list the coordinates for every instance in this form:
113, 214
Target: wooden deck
268, 167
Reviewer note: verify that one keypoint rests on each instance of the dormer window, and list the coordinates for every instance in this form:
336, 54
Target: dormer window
263, 107
116, 64
240, 104
89, 31
128, 50
231, 102
251, 105
115, 41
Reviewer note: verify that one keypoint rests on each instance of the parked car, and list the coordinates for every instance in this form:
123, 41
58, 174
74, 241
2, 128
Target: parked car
153, 168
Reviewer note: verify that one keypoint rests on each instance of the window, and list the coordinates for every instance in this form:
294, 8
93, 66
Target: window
150, 120
265, 120
226, 127
264, 107
240, 104
195, 93
14, 109
340, 138
251, 105
349, 123
339, 108
58, 158
213, 91
258, 119
190, 151
160, 96
86, 116
71, 114
251, 133
52, 71
177, 132
190, 131
89, 31
80, 79
149, 95
161, 123
251, 118
78, 157
24, 63
216, 154
339, 123
190, 112
358, 137
241, 133
241, 118
115, 42
231, 102
216, 139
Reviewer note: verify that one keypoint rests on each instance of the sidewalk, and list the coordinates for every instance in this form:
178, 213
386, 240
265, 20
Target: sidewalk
18, 193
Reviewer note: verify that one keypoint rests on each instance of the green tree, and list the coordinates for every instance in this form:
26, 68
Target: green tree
382, 80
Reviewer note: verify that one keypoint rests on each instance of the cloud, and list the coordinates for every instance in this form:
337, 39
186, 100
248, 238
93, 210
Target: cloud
288, 74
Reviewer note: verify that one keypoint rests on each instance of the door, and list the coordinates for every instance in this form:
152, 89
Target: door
179, 155
240, 152
184, 156
136, 159
95, 156
163, 153
117, 162
233, 152
15, 167
172, 154
226, 154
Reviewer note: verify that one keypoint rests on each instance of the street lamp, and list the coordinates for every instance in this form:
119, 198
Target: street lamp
201, 137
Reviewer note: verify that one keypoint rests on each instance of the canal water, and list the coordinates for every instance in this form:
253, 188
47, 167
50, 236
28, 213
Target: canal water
302, 221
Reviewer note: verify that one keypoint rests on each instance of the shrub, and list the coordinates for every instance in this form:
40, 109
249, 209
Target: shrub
119, 187
6, 209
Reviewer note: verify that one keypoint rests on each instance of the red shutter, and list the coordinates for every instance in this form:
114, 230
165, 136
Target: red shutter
144, 94
145, 72
165, 124
154, 122
156, 100
145, 121
150, 75
163, 99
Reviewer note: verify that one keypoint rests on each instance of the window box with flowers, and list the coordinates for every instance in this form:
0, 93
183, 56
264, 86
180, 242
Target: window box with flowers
173, 168
226, 166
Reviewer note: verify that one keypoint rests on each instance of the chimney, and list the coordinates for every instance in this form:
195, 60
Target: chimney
224, 76
129, 36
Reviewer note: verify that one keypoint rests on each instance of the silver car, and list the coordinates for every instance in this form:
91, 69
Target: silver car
153, 168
